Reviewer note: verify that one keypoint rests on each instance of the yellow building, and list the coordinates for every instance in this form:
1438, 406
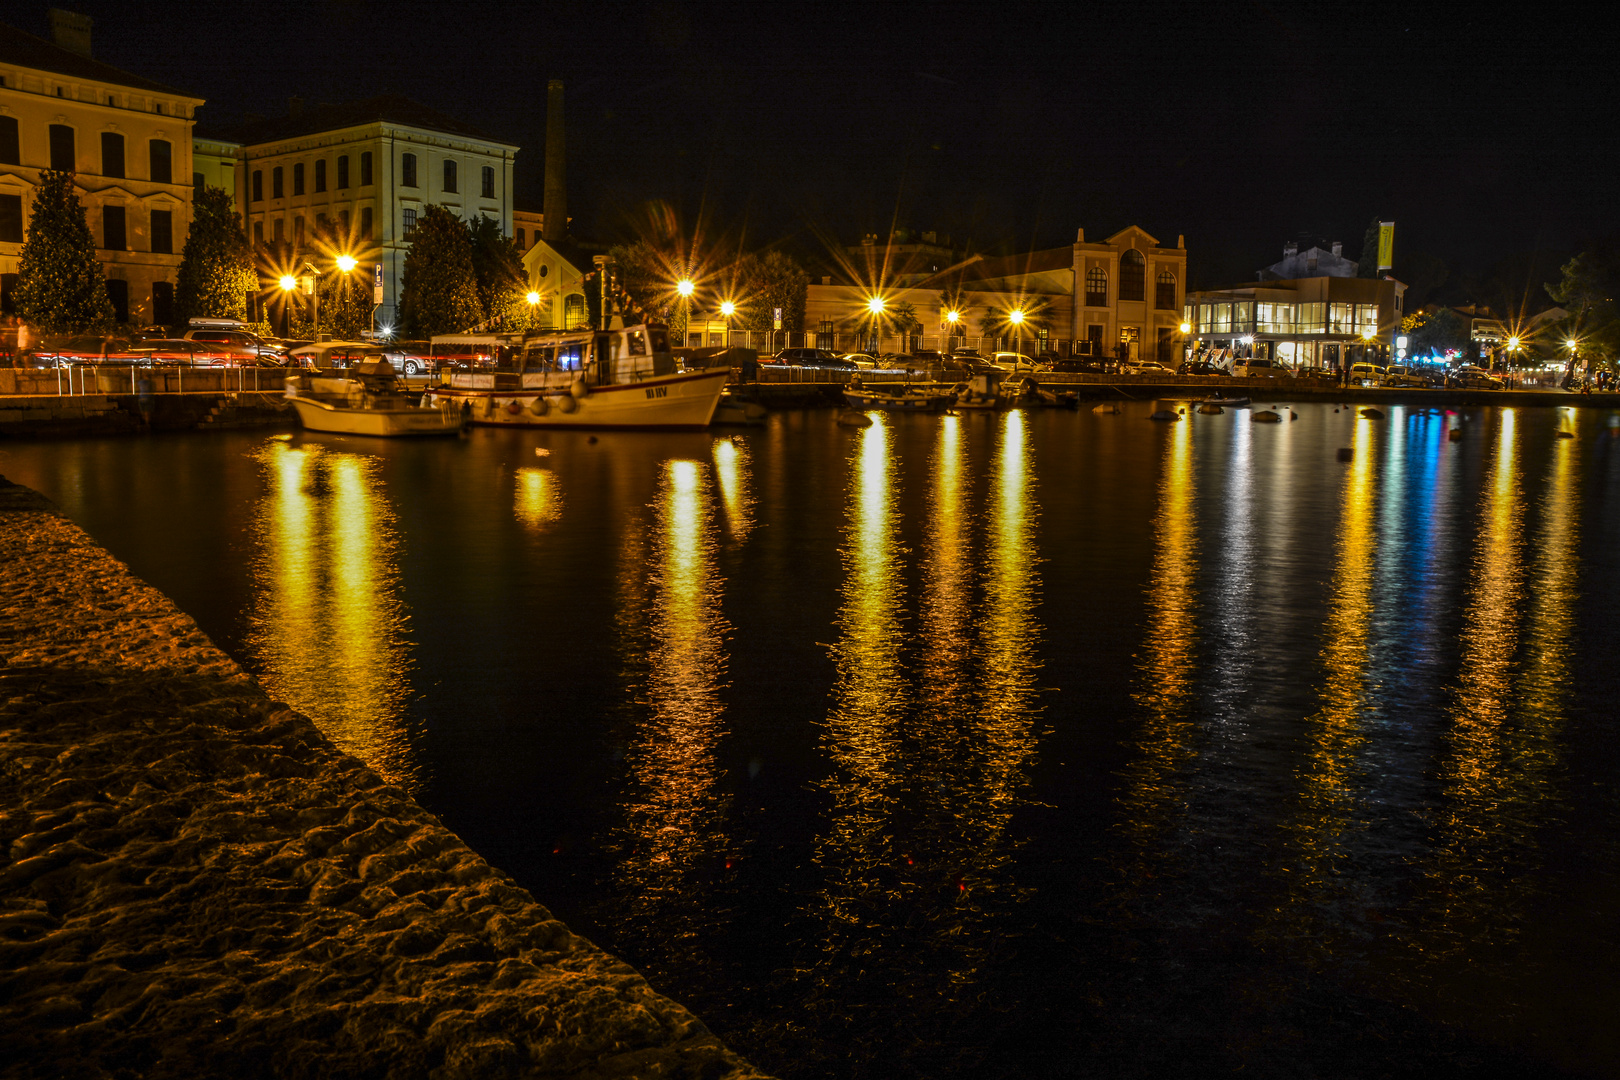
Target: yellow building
128, 141
556, 280
371, 168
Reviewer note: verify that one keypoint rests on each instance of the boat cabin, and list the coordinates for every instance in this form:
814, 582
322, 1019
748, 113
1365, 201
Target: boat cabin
602, 357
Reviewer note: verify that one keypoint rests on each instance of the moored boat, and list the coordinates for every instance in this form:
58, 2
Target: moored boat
616, 378
898, 398
1227, 402
980, 392
365, 400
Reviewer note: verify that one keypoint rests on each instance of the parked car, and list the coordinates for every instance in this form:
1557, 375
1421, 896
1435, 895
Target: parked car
237, 340
84, 349
411, 357
191, 353
1260, 368
1403, 375
1074, 366
1475, 378
1147, 367
1201, 367
824, 358
1012, 361
862, 360
1367, 375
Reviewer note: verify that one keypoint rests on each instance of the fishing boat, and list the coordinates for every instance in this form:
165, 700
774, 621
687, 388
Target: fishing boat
898, 397
981, 392
622, 377
1227, 402
367, 399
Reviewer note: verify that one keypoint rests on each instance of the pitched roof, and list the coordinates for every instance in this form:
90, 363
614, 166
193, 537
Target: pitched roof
1034, 262
388, 108
25, 50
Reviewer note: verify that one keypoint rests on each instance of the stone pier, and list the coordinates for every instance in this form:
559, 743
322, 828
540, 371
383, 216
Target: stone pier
195, 882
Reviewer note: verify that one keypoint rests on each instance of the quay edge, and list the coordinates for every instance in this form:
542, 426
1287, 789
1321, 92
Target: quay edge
195, 882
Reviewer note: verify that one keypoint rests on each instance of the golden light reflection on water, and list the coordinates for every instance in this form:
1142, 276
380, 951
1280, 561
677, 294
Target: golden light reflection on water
674, 816
1165, 664
538, 500
1329, 776
328, 621
731, 470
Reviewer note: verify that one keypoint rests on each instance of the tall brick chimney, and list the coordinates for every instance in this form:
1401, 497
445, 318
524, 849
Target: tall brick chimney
555, 207
70, 30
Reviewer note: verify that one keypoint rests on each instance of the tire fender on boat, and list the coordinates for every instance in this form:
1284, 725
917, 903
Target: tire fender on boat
539, 406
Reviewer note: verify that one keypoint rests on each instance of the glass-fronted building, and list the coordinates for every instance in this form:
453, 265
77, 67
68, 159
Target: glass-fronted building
1311, 323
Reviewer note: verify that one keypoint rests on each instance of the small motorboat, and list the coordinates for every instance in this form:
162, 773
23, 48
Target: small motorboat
367, 399
981, 392
1027, 391
732, 412
1227, 402
897, 397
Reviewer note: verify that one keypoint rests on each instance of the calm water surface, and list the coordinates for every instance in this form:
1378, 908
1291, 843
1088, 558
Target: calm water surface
1025, 745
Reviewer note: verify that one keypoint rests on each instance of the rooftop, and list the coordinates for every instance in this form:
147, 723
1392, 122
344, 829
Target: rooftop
25, 50
387, 109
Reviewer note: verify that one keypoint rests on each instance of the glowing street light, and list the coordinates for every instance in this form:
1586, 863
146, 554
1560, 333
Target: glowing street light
345, 263
1186, 328
288, 283
728, 309
685, 287
533, 298
875, 305
1016, 317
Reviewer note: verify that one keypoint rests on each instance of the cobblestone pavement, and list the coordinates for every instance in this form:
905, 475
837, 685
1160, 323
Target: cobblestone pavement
194, 882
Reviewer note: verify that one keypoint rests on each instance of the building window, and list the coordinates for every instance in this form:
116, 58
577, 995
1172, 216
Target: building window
320, 175
163, 163
197, 185
1312, 318
163, 302
298, 178
489, 181
277, 189
163, 232
1366, 318
298, 231
1094, 339
8, 293
410, 221
1164, 292
1341, 318
158, 107
10, 147
64, 155
118, 293
365, 223
258, 231
112, 228
258, 185
1096, 287
365, 168
276, 231
1132, 276
519, 238
343, 171
343, 225
11, 225
112, 154
407, 170
449, 175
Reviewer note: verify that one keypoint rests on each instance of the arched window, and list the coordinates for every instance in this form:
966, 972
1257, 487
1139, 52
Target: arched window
1164, 293
1096, 287
1132, 276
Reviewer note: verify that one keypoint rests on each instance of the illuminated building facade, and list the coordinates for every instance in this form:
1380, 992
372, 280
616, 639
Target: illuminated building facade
1320, 322
127, 139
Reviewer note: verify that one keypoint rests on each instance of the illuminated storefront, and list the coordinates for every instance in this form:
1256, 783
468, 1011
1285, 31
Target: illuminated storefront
1322, 322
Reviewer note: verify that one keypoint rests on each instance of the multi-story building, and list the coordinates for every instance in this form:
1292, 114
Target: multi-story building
1319, 322
126, 138
369, 168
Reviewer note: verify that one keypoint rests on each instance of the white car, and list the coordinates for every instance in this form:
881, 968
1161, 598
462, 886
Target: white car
1012, 361
1260, 369
1147, 367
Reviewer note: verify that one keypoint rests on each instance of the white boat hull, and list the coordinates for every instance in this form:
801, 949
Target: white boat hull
411, 420
685, 400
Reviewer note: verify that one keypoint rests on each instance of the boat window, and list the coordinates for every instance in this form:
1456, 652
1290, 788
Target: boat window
539, 359
637, 342
569, 356
659, 338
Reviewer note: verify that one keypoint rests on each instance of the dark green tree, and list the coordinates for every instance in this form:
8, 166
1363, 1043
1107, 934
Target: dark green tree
1587, 288
503, 285
1436, 331
646, 276
216, 265
61, 288
1367, 265
439, 288
769, 281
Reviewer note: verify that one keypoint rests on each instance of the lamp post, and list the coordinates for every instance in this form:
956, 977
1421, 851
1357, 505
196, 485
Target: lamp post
728, 309
952, 317
1016, 317
1186, 328
875, 306
288, 283
686, 288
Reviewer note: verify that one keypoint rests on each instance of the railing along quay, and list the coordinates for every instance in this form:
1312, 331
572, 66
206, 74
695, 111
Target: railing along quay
77, 380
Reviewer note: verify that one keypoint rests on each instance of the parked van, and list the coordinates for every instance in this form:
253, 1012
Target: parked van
1260, 369
1367, 375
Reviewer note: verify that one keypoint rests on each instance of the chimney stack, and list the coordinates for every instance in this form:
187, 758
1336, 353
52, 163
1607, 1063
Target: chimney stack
1290, 249
555, 207
1338, 248
70, 30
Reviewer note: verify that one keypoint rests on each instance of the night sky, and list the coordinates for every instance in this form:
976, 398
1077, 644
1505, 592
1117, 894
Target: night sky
1483, 135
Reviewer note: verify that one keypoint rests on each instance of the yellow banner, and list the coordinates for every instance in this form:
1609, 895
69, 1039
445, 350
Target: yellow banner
1386, 245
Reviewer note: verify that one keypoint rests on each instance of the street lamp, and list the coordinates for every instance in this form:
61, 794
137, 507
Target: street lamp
875, 306
727, 310
686, 288
288, 283
345, 263
1016, 317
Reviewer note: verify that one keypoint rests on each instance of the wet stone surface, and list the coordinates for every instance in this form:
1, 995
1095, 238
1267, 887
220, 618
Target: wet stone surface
194, 882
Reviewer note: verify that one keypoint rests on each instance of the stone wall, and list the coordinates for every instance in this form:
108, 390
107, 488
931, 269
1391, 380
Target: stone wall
194, 882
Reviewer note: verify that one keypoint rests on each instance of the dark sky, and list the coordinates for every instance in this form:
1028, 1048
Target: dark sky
1011, 124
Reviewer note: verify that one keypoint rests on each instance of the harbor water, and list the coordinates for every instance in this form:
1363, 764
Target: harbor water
1024, 744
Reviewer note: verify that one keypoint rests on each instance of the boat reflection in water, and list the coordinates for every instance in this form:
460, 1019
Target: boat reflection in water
328, 622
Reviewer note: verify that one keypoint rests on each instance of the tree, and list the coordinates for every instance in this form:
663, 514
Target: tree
216, 265
1587, 287
1435, 331
439, 288
646, 279
767, 282
503, 285
1367, 267
61, 288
